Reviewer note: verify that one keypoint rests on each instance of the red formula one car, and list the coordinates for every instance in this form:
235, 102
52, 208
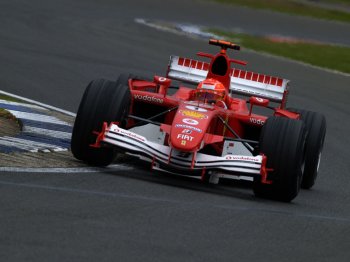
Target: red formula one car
209, 131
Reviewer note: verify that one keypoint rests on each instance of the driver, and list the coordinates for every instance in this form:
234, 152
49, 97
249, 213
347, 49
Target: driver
210, 91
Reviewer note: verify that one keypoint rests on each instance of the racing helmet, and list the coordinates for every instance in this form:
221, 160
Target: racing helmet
210, 91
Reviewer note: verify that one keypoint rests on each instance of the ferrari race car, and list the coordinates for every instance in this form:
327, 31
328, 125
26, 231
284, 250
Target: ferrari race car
209, 130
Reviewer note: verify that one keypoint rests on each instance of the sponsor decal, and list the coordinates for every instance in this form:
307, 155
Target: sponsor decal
149, 98
184, 137
128, 134
186, 131
183, 142
162, 79
195, 108
189, 127
256, 121
190, 121
242, 158
193, 114
259, 99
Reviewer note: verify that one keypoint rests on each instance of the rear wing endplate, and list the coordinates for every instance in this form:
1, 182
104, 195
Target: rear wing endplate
242, 82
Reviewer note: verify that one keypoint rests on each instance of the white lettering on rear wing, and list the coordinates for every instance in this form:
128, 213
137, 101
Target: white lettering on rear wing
242, 82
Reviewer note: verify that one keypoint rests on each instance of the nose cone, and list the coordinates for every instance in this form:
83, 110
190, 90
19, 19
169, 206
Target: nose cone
189, 127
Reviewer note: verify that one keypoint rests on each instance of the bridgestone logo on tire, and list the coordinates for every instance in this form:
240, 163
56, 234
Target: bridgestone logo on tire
147, 98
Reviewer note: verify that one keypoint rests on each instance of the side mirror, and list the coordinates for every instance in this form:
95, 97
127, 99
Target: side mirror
258, 101
163, 84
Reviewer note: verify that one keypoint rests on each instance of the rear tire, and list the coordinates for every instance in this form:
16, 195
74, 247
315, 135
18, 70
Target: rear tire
316, 131
103, 101
282, 141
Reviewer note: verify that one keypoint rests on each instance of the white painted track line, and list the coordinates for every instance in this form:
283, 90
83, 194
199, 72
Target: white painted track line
39, 103
36, 117
194, 30
22, 104
47, 132
31, 146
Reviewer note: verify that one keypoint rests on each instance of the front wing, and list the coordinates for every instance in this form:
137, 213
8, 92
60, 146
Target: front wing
135, 144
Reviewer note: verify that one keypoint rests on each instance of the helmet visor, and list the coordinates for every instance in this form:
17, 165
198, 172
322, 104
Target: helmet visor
209, 96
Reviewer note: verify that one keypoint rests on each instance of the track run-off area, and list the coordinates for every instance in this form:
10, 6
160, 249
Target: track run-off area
51, 50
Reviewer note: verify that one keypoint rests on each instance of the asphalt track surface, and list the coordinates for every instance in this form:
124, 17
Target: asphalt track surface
50, 50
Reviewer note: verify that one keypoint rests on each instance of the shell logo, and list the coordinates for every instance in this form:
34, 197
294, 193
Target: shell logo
194, 114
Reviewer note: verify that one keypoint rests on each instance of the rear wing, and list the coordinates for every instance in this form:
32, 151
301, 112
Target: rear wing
242, 82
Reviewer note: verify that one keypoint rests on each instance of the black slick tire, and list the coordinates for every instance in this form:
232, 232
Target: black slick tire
282, 141
103, 101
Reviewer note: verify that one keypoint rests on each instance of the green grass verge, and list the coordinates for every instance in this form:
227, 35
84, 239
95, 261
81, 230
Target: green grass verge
347, 2
295, 8
9, 98
326, 56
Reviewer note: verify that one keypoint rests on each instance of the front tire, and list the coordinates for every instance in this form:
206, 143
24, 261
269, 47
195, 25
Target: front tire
282, 141
103, 101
